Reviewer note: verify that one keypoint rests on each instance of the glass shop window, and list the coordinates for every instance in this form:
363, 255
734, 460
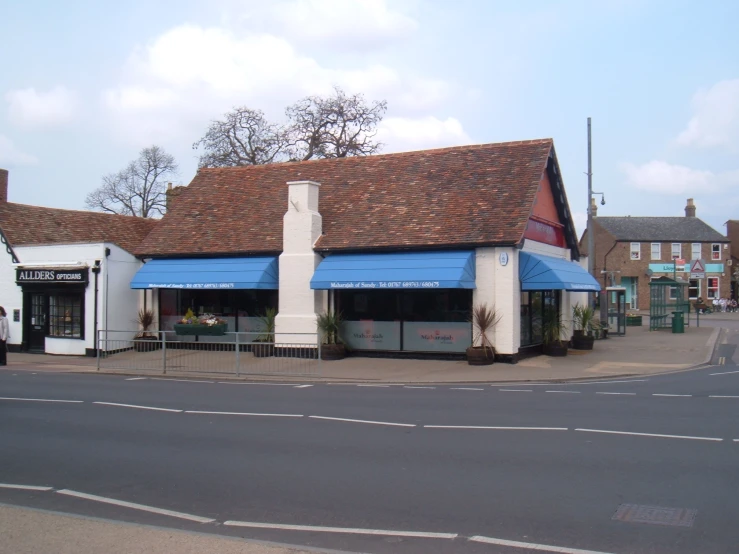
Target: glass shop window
65, 316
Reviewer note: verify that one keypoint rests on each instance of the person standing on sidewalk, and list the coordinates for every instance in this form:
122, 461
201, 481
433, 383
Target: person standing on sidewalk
4, 336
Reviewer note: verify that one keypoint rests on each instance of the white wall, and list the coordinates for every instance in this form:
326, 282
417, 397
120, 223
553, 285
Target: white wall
498, 286
113, 286
298, 304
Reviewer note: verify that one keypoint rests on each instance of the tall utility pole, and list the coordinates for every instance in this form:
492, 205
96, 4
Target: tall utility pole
591, 238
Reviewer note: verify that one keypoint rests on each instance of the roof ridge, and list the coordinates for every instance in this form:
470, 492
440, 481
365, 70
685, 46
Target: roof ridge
405, 153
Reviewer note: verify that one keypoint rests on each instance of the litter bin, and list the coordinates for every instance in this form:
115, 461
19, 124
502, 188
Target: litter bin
678, 322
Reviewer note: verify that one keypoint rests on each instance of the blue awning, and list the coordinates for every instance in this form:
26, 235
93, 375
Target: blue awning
410, 270
538, 272
208, 273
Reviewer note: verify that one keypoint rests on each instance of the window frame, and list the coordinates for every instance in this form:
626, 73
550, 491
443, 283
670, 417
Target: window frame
692, 250
636, 251
659, 251
679, 249
709, 288
716, 249
697, 288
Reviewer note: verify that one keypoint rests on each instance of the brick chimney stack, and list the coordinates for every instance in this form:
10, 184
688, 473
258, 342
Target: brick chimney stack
3, 186
690, 208
593, 207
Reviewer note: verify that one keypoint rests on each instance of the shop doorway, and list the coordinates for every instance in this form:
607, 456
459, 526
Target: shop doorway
39, 322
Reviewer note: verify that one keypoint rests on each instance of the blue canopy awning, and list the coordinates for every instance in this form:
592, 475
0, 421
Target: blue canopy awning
538, 272
208, 273
409, 270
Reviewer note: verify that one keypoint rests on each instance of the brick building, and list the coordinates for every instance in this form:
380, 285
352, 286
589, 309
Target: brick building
732, 232
631, 251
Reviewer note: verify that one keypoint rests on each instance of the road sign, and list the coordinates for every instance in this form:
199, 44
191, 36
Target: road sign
697, 269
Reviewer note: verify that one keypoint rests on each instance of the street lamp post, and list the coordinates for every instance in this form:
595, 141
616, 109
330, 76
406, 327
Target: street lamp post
591, 238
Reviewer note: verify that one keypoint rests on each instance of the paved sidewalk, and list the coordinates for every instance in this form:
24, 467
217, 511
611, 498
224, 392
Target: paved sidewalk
640, 352
27, 531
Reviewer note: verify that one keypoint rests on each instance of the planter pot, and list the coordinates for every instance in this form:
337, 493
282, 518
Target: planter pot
263, 350
633, 321
555, 349
577, 333
205, 330
333, 351
146, 344
583, 342
478, 355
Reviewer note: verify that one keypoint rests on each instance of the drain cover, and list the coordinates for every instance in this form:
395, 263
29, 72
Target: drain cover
656, 515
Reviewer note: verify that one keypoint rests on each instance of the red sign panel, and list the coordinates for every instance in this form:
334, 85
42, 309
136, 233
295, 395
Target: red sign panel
547, 233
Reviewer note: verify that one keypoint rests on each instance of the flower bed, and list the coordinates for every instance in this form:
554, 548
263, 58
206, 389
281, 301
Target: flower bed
633, 321
206, 324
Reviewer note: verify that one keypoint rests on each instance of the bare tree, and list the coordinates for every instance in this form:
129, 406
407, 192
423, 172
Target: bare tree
334, 127
244, 137
139, 189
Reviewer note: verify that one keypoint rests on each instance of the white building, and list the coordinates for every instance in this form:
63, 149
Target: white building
65, 274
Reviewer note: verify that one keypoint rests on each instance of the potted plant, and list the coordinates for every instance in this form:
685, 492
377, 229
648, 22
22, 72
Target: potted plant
205, 324
633, 320
144, 341
552, 330
264, 344
582, 320
329, 324
482, 351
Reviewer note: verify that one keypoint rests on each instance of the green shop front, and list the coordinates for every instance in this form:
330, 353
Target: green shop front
407, 302
236, 290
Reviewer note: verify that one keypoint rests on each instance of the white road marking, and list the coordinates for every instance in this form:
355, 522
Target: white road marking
42, 400
618, 393
725, 373
571, 384
650, 435
302, 386
176, 380
736, 440
241, 414
139, 379
495, 428
515, 390
465, 388
378, 386
347, 530
263, 384
720, 396
24, 487
722, 360
532, 546
363, 421
680, 395
137, 406
412, 387
135, 506
565, 391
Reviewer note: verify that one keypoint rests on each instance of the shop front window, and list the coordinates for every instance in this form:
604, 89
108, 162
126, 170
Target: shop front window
533, 306
241, 309
712, 291
694, 289
65, 316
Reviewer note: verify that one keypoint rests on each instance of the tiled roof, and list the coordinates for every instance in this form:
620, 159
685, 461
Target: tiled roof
467, 195
36, 225
660, 229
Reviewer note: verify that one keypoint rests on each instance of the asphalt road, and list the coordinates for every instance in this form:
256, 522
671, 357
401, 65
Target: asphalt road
444, 468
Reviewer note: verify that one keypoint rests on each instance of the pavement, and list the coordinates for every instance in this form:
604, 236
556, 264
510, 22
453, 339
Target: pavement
32, 531
639, 352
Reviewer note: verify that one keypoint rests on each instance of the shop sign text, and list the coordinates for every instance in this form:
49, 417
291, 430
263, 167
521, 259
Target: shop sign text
385, 284
51, 276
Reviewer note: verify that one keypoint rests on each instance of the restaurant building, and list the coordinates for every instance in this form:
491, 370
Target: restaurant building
403, 245
65, 274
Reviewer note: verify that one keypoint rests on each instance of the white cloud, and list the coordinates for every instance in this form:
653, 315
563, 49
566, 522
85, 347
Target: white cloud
716, 117
31, 108
353, 25
403, 133
190, 75
665, 178
10, 155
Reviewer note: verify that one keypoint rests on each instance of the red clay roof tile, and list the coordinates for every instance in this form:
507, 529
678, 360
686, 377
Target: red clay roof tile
467, 195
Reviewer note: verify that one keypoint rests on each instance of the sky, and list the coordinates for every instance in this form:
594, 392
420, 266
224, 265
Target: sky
85, 85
